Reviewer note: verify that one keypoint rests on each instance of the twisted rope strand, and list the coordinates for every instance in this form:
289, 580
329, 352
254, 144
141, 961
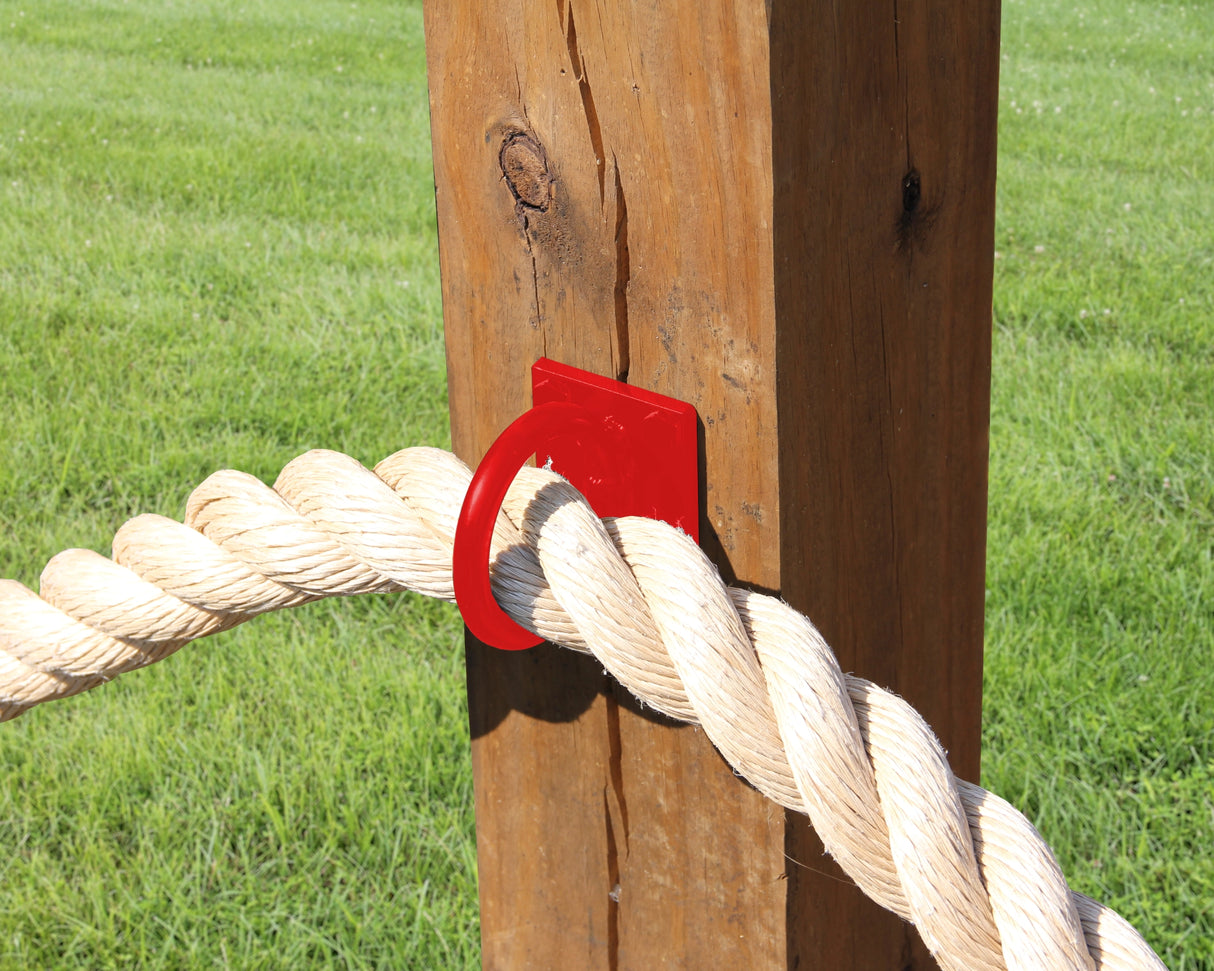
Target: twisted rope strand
968, 869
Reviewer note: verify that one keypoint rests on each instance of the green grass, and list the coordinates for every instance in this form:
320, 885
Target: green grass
217, 248
1100, 612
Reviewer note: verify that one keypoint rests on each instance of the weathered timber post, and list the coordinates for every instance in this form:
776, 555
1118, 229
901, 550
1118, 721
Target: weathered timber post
783, 213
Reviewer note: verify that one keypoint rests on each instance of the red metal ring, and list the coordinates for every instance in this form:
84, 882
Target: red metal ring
478, 514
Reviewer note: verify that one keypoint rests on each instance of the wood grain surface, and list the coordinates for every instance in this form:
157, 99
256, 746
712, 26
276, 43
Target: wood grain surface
782, 213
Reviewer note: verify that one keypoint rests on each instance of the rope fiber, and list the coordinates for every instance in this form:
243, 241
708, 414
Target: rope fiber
963, 865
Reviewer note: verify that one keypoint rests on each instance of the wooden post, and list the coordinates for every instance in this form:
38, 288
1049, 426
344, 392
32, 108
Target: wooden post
783, 213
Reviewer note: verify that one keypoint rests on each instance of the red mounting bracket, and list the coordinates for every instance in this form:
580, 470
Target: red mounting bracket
630, 452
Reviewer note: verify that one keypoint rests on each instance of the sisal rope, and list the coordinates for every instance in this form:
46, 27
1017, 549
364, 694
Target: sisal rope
963, 865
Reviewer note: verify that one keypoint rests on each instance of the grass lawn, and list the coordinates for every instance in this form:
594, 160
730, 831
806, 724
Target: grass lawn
217, 249
1098, 721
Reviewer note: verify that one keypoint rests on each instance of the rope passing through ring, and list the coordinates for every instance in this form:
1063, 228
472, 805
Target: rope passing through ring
478, 513
966, 867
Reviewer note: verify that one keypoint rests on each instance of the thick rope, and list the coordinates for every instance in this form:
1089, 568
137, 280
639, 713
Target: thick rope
970, 871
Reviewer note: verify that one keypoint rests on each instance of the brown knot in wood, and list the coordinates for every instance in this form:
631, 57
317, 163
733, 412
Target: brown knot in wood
525, 166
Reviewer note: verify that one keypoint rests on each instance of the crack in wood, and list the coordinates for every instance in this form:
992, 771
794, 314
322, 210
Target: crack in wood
623, 275
592, 115
613, 815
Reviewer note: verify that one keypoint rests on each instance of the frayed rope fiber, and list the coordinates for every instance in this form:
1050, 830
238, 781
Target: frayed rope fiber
964, 866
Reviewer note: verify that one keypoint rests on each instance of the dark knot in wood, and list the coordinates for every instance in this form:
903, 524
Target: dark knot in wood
525, 166
912, 191
915, 221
